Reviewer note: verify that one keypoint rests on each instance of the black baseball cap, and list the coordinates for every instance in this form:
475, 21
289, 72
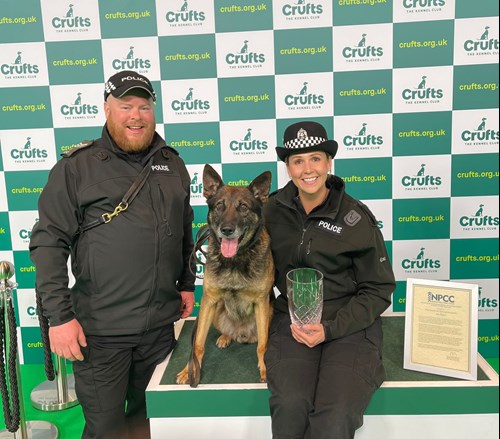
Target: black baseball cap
126, 80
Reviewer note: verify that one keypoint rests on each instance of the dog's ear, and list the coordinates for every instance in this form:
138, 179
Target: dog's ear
211, 182
261, 185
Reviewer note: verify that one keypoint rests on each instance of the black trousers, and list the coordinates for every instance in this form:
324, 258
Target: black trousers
321, 392
110, 382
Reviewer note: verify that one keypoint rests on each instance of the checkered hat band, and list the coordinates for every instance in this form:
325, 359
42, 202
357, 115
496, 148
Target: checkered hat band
304, 143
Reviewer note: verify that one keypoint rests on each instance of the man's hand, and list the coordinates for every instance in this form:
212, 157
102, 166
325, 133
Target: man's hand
310, 335
187, 303
66, 339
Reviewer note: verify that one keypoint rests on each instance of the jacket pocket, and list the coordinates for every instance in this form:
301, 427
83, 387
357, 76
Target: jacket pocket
164, 205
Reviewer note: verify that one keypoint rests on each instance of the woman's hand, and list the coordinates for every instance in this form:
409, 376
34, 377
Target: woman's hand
310, 335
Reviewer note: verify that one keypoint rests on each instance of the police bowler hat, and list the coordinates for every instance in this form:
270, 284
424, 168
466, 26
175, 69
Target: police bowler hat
305, 137
122, 82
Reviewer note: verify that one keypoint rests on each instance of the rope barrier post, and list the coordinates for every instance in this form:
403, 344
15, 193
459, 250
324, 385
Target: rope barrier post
59, 394
10, 379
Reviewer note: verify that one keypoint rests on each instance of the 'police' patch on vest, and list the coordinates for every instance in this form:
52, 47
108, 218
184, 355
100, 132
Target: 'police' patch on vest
161, 168
327, 226
352, 218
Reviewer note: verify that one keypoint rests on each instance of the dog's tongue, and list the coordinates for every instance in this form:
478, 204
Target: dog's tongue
229, 247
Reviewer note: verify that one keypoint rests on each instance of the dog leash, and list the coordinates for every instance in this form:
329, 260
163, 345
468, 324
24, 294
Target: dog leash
194, 369
201, 237
126, 200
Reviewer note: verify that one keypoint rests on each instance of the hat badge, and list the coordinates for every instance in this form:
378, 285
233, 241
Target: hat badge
109, 87
302, 134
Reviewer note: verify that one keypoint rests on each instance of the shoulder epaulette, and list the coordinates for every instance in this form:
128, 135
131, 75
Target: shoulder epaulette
172, 149
82, 145
369, 213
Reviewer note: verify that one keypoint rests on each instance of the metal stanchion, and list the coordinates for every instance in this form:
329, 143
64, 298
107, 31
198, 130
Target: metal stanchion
58, 392
10, 379
56, 395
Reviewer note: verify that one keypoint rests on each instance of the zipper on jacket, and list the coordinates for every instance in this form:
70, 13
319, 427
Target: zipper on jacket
163, 212
308, 248
157, 257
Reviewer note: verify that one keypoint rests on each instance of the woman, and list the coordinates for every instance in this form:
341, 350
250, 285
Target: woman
322, 376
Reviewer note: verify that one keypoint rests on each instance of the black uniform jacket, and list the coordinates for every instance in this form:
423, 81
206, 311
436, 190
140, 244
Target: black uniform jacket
341, 239
128, 272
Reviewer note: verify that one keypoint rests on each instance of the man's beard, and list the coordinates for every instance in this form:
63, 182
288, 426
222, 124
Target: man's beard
126, 144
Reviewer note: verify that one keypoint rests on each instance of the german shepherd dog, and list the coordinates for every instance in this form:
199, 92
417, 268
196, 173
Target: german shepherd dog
239, 271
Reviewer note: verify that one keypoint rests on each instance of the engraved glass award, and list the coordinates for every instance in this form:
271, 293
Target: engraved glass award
305, 295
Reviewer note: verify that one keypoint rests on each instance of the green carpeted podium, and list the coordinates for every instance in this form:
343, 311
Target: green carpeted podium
230, 402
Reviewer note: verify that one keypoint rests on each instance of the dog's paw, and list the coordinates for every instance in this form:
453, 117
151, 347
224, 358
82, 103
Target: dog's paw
263, 373
223, 341
183, 376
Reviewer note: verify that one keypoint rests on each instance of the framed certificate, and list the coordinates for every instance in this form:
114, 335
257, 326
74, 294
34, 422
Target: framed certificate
441, 328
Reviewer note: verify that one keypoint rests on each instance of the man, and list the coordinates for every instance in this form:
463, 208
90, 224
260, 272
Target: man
120, 206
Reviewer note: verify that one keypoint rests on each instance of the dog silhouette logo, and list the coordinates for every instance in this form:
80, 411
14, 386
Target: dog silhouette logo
485, 35
422, 83
421, 170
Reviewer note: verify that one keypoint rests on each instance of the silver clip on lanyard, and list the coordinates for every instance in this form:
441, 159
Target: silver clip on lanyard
125, 202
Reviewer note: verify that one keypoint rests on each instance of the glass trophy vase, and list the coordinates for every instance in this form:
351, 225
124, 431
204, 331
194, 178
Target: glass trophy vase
305, 295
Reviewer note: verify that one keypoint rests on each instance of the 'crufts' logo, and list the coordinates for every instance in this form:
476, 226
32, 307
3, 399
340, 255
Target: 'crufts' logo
78, 109
19, 68
25, 234
421, 180
28, 153
304, 99
301, 9
422, 93
196, 185
424, 5
362, 140
245, 58
131, 62
361, 52
482, 45
190, 104
185, 15
420, 263
248, 144
479, 220
70, 22
485, 303
481, 135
